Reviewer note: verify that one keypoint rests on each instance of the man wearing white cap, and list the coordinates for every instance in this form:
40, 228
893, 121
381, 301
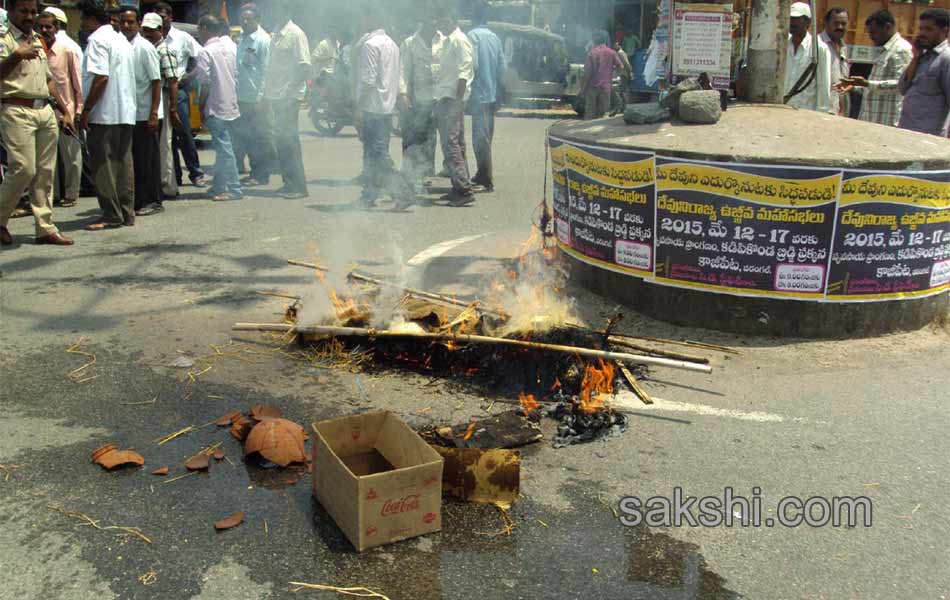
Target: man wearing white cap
61, 36
808, 65
152, 27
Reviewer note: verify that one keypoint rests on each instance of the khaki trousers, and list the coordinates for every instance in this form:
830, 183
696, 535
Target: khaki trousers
30, 136
169, 181
110, 152
70, 160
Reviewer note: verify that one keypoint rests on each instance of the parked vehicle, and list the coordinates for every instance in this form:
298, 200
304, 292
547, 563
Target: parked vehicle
331, 101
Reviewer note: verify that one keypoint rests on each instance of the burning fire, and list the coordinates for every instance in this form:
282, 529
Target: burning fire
598, 381
528, 402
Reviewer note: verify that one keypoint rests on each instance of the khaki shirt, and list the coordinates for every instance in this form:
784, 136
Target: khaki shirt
29, 78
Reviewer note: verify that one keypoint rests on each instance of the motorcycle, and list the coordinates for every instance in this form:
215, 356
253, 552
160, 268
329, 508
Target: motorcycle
331, 103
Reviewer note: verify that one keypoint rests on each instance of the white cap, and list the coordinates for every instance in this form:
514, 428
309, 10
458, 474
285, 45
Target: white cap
801, 9
58, 13
152, 21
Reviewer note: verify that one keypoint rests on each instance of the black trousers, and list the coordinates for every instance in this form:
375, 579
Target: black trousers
147, 165
287, 140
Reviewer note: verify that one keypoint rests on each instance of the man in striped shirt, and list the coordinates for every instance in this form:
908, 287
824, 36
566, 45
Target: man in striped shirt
882, 99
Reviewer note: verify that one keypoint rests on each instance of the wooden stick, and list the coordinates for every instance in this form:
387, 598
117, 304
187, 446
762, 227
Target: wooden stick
686, 343
411, 291
279, 295
634, 385
665, 353
308, 265
476, 339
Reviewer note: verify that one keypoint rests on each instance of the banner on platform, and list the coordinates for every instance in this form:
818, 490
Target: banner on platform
777, 231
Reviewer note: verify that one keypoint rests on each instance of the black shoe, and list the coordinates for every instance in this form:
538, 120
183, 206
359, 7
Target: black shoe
455, 199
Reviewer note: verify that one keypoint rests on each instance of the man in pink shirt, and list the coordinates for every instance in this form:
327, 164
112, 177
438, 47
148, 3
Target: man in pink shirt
598, 78
65, 65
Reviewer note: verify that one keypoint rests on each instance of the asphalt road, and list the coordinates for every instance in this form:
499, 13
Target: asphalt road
794, 418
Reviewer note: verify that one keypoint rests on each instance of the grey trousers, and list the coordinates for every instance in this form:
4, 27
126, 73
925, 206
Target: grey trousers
110, 151
451, 121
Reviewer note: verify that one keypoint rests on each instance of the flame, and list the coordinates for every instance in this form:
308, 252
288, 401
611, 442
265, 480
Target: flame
469, 432
528, 402
598, 382
346, 309
556, 386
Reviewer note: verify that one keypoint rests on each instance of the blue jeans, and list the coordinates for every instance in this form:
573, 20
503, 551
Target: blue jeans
225, 165
184, 141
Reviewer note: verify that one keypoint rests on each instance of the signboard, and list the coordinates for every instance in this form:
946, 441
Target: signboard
892, 237
606, 214
702, 42
751, 230
778, 231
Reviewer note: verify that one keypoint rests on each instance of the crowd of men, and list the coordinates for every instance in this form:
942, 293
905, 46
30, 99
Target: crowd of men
909, 82
125, 99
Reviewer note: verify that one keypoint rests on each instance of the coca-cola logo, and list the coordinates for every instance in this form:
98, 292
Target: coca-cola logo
430, 481
371, 495
395, 507
428, 517
370, 531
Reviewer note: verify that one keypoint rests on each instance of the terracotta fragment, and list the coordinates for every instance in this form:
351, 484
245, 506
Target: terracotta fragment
161, 471
230, 521
102, 450
227, 418
119, 458
219, 454
199, 462
278, 440
240, 427
259, 412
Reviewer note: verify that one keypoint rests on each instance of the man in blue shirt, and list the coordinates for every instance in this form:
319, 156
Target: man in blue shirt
489, 67
253, 132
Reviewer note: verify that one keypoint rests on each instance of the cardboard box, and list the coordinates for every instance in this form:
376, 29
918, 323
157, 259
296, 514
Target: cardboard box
377, 478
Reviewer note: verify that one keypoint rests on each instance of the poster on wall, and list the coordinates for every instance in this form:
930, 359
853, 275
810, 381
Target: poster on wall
749, 230
604, 206
702, 43
892, 237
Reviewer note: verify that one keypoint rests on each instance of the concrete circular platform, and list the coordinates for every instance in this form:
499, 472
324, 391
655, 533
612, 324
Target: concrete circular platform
773, 221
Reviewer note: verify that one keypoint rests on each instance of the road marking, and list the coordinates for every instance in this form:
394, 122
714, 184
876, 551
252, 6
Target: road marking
440, 249
628, 402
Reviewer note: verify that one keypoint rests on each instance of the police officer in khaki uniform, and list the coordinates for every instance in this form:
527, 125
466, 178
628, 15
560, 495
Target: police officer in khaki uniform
28, 124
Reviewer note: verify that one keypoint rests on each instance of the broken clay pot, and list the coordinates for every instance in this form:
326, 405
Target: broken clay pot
230, 521
227, 418
199, 462
278, 440
240, 427
108, 457
161, 471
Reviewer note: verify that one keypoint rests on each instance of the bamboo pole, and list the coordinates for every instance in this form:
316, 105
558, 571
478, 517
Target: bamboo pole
664, 353
635, 385
475, 339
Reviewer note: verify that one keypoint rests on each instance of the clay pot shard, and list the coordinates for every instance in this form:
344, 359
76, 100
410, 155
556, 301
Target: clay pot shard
259, 412
227, 418
199, 462
161, 471
229, 522
240, 427
278, 440
109, 458
218, 455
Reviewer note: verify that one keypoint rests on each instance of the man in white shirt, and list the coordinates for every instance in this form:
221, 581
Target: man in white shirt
146, 151
376, 96
417, 95
284, 86
836, 26
109, 113
808, 66
456, 59
186, 50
